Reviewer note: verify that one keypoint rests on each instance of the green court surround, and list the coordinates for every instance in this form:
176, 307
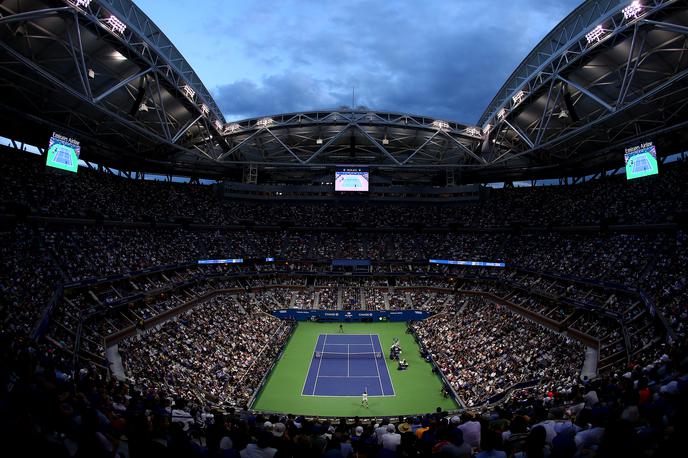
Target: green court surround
417, 389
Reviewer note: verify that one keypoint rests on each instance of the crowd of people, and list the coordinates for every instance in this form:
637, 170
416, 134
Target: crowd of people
123, 275
484, 349
45, 412
27, 182
207, 352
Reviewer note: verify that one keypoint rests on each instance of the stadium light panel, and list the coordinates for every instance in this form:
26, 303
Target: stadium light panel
83, 3
264, 122
440, 124
472, 131
501, 114
115, 24
118, 56
318, 141
231, 128
385, 141
204, 109
595, 34
190, 93
518, 98
633, 10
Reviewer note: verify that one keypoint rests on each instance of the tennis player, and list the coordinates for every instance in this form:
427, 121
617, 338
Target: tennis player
341, 328
364, 399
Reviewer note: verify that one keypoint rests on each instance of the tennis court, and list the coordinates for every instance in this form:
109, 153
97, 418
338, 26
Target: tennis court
640, 164
63, 155
291, 383
348, 365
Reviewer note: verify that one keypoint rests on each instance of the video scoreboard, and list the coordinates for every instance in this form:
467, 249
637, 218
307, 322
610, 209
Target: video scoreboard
641, 161
351, 180
63, 153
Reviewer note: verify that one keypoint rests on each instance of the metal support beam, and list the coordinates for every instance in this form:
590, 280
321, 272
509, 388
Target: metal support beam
666, 26
185, 128
377, 145
465, 148
421, 146
284, 146
237, 146
120, 85
334, 138
36, 14
520, 133
581, 89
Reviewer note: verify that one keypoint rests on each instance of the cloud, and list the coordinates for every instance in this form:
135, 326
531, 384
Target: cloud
441, 59
287, 92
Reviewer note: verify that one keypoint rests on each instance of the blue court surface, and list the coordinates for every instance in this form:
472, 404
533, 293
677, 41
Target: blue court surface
641, 164
63, 157
348, 365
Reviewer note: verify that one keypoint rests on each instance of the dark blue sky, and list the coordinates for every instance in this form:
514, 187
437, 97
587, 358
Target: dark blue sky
444, 59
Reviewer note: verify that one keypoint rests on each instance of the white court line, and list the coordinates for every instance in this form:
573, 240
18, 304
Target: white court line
309, 368
348, 396
347, 360
319, 363
347, 376
379, 379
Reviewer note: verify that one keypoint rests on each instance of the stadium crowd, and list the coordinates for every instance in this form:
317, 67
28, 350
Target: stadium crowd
182, 369
26, 182
46, 412
207, 352
483, 349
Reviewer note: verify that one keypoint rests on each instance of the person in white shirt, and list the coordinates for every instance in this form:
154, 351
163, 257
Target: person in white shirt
364, 400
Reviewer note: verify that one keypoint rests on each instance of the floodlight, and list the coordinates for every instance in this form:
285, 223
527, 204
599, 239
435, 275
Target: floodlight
218, 124
83, 3
231, 128
318, 141
440, 124
501, 114
115, 24
633, 10
472, 131
264, 122
595, 34
385, 141
190, 93
204, 109
118, 56
518, 98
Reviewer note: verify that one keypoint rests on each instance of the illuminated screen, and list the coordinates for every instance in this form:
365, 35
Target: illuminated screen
221, 261
641, 161
63, 153
467, 263
351, 180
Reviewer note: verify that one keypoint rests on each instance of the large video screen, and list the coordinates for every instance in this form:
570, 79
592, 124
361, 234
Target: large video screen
641, 161
63, 153
351, 180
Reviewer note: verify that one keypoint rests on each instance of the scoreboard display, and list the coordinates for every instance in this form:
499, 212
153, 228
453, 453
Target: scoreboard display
641, 161
351, 180
63, 153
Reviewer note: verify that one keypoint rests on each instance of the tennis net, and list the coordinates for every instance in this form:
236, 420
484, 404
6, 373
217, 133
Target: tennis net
343, 355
